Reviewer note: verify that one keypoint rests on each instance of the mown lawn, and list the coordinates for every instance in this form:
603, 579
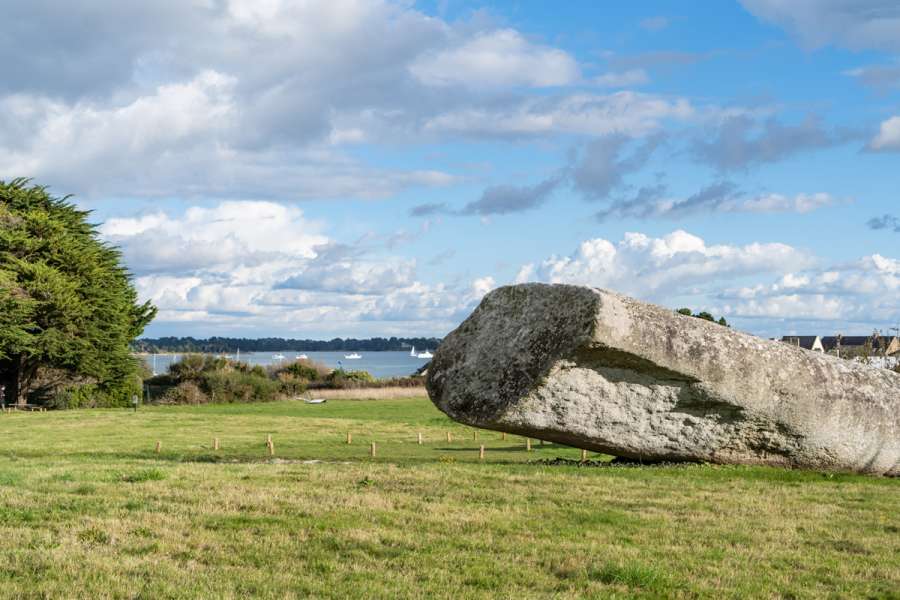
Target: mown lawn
89, 510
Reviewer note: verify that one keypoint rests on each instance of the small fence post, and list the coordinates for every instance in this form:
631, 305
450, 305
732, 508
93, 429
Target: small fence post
372, 450
270, 445
481, 452
158, 446
449, 437
420, 438
215, 443
528, 444
349, 438
583, 455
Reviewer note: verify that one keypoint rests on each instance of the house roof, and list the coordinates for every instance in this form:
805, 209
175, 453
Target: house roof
848, 341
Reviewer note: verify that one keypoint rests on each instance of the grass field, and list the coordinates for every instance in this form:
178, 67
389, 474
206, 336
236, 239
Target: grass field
89, 510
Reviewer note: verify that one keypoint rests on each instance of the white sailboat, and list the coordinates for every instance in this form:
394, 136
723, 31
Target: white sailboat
412, 352
301, 357
353, 356
425, 354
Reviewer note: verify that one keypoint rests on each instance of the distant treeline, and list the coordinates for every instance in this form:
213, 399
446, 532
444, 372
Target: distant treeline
215, 345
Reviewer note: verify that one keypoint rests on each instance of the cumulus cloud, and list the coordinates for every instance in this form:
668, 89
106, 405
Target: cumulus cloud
860, 24
888, 137
239, 99
681, 269
855, 297
230, 236
497, 58
266, 267
655, 268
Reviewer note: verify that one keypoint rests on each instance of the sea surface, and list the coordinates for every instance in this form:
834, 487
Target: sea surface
379, 364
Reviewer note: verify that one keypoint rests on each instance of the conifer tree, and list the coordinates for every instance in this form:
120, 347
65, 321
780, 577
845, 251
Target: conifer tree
67, 305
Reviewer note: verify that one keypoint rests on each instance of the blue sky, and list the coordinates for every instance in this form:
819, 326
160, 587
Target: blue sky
368, 167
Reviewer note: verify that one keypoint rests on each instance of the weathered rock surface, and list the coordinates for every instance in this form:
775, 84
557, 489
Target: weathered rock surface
597, 370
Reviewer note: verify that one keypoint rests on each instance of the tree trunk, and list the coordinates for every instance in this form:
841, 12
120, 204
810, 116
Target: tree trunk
10, 373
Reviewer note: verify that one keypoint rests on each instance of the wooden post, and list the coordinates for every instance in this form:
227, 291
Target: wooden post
583, 455
481, 452
216, 444
449, 437
528, 444
420, 439
158, 446
474, 434
372, 450
503, 435
270, 445
349, 438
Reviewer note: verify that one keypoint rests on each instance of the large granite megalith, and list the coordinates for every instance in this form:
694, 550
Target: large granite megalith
596, 370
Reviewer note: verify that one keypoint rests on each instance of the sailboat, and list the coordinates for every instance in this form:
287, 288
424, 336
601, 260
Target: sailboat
352, 356
425, 354
413, 352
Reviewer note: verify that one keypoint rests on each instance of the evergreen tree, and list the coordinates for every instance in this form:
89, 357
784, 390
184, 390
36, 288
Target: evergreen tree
68, 309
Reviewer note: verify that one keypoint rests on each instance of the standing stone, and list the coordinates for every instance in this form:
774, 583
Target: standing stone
593, 369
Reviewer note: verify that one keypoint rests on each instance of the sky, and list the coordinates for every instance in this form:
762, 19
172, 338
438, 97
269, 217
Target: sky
368, 168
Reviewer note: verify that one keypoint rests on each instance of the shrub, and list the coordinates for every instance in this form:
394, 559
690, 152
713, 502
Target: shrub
291, 384
237, 386
304, 369
186, 392
342, 379
192, 366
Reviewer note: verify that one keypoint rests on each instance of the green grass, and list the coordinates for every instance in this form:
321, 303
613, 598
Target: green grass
88, 509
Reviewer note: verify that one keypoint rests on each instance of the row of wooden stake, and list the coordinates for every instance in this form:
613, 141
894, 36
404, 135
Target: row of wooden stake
270, 445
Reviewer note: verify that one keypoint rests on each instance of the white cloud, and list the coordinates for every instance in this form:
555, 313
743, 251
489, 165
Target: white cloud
771, 203
680, 269
888, 137
228, 237
265, 267
854, 298
655, 268
497, 58
628, 113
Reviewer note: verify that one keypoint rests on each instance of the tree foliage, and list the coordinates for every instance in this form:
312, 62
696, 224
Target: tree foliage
706, 316
68, 310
